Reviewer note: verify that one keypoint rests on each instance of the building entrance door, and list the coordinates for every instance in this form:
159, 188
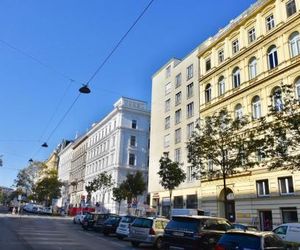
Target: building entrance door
265, 220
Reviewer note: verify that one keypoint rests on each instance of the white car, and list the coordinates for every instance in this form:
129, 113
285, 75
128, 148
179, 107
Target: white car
289, 232
78, 219
123, 228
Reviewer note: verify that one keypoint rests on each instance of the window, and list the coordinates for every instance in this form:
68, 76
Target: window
190, 72
177, 155
277, 99
166, 141
167, 122
192, 201
178, 201
208, 64
177, 116
131, 159
262, 188
168, 88
297, 85
286, 185
189, 130
208, 93
210, 165
256, 107
221, 84
177, 135
190, 110
251, 35
260, 154
221, 56
281, 230
238, 111
289, 215
252, 68
167, 105
133, 124
178, 98
168, 71
190, 90
235, 46
270, 22
132, 141
178, 80
290, 8
236, 77
272, 57
294, 41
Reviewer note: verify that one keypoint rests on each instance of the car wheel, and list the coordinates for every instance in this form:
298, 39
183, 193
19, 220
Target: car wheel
120, 237
74, 221
135, 244
159, 243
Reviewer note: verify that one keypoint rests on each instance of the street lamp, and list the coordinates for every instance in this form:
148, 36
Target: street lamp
85, 89
45, 145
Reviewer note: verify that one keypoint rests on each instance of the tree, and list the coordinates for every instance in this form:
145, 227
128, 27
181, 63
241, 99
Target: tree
171, 175
282, 131
222, 146
103, 183
119, 194
48, 188
134, 185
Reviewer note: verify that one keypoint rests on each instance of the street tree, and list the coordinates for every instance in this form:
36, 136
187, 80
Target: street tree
222, 146
119, 194
102, 183
171, 175
282, 131
134, 185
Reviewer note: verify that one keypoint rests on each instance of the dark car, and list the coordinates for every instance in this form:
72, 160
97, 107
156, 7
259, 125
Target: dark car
89, 220
194, 232
244, 227
238, 240
99, 222
111, 224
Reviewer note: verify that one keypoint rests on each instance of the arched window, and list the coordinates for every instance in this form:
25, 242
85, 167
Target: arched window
238, 111
277, 99
236, 77
208, 93
256, 107
221, 84
297, 86
272, 57
294, 41
252, 68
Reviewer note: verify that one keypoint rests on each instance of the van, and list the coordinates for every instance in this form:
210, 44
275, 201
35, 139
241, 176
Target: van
289, 232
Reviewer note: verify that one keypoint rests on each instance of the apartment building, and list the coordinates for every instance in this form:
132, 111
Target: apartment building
118, 144
175, 111
241, 68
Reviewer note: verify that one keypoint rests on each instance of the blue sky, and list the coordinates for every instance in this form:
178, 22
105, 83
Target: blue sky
72, 37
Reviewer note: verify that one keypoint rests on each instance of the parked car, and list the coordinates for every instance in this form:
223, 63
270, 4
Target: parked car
123, 228
111, 224
99, 222
78, 219
244, 227
289, 232
238, 240
147, 230
194, 232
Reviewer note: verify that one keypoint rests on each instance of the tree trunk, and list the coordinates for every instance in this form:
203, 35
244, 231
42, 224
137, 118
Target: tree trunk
170, 212
119, 207
225, 197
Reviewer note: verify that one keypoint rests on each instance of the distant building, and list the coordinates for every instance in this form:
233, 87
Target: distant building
118, 144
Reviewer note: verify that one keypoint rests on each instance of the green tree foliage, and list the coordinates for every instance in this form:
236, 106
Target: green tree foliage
48, 188
171, 175
281, 128
119, 194
222, 146
134, 185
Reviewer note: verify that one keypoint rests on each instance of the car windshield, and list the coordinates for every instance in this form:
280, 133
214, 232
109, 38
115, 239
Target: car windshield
128, 219
184, 224
142, 222
240, 241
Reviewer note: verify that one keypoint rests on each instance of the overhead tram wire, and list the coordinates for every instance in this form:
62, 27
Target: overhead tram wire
101, 66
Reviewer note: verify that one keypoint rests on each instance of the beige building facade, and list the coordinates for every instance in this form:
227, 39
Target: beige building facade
240, 68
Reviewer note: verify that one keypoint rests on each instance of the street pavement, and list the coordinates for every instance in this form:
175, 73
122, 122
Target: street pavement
31, 232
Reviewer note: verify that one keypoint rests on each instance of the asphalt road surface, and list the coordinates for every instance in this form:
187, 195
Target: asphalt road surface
30, 232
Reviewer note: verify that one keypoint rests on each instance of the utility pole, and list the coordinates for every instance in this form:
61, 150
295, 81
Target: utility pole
1, 161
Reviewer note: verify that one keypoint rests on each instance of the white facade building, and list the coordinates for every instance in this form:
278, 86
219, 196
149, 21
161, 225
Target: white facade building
64, 168
118, 144
175, 112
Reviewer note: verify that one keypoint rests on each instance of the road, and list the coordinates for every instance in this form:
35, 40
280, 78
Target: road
29, 232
